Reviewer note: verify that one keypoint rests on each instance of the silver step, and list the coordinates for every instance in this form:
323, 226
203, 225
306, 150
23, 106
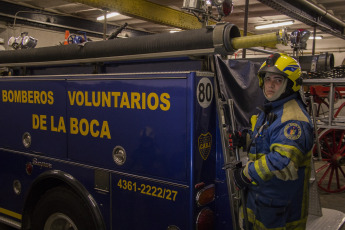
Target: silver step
330, 220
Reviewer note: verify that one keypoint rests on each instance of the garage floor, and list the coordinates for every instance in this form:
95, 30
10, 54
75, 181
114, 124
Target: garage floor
334, 201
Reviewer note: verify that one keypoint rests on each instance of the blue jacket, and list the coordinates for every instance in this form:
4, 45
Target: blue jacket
279, 166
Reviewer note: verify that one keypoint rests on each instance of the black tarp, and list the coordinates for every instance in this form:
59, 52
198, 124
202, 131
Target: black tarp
238, 81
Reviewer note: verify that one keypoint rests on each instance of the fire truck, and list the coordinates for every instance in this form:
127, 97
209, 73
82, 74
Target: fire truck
124, 133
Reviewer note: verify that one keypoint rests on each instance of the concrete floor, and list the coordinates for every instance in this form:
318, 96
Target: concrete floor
331, 200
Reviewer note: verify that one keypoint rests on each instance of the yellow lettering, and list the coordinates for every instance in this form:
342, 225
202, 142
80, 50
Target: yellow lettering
24, 96
17, 97
50, 98
153, 106
143, 99
62, 126
35, 121
164, 99
43, 122
71, 97
116, 98
74, 125
43, 97
84, 131
52, 127
106, 99
105, 130
4, 95
94, 102
135, 100
37, 97
124, 100
92, 124
87, 102
30, 96
80, 98
10, 96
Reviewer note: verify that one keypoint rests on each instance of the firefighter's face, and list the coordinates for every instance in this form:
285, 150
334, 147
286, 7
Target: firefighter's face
273, 84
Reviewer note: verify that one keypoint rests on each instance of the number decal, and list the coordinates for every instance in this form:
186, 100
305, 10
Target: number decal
148, 190
168, 197
154, 190
175, 194
129, 185
142, 186
160, 191
124, 184
204, 92
119, 183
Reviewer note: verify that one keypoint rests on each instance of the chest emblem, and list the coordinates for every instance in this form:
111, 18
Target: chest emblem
292, 131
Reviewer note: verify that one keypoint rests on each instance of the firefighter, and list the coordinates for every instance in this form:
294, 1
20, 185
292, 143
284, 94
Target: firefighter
276, 177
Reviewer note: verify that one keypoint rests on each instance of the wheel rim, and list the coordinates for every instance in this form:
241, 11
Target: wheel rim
59, 221
332, 172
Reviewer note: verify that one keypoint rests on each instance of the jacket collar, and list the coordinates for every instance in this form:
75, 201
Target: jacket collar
268, 105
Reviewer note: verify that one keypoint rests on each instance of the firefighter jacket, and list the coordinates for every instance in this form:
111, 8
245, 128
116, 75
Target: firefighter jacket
279, 166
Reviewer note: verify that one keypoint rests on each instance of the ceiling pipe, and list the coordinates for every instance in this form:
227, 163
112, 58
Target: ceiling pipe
321, 11
299, 12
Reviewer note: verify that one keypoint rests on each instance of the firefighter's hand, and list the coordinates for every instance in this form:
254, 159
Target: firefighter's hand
241, 181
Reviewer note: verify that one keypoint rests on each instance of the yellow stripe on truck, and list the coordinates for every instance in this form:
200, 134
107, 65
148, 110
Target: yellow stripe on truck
11, 214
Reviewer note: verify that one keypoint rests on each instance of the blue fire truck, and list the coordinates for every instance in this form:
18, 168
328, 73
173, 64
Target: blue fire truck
118, 134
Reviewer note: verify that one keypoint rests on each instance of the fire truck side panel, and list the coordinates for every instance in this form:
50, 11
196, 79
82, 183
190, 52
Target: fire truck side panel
144, 114
164, 122
33, 107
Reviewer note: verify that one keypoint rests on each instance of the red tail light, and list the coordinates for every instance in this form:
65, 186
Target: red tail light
205, 220
206, 195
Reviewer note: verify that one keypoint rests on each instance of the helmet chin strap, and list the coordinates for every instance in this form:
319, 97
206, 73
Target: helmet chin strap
278, 93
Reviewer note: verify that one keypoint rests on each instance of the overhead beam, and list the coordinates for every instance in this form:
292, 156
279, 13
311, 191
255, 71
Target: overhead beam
28, 16
148, 11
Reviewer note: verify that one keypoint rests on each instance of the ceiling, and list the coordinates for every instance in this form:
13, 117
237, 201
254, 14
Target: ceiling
259, 12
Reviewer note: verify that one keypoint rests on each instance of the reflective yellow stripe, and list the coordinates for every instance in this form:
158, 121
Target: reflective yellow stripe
262, 169
292, 153
295, 225
255, 156
10, 213
253, 121
290, 172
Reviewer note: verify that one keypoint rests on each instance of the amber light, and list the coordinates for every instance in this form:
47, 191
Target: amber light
205, 220
206, 195
29, 168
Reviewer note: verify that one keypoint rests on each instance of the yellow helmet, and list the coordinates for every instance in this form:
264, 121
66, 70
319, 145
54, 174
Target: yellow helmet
284, 65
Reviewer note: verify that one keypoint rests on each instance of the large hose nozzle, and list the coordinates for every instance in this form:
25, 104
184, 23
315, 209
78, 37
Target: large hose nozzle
279, 37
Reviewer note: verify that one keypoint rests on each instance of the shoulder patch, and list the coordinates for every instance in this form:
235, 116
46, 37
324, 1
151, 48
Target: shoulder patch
292, 131
292, 111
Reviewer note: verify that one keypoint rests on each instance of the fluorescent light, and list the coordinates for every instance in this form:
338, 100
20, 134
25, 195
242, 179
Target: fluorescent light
174, 31
317, 37
274, 25
110, 15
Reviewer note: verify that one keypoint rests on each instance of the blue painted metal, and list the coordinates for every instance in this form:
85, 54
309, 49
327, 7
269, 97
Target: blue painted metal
169, 139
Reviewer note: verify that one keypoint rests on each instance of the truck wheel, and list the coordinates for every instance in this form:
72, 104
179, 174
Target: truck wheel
62, 209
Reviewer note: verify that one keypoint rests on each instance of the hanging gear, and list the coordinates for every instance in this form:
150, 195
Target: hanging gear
284, 65
237, 139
